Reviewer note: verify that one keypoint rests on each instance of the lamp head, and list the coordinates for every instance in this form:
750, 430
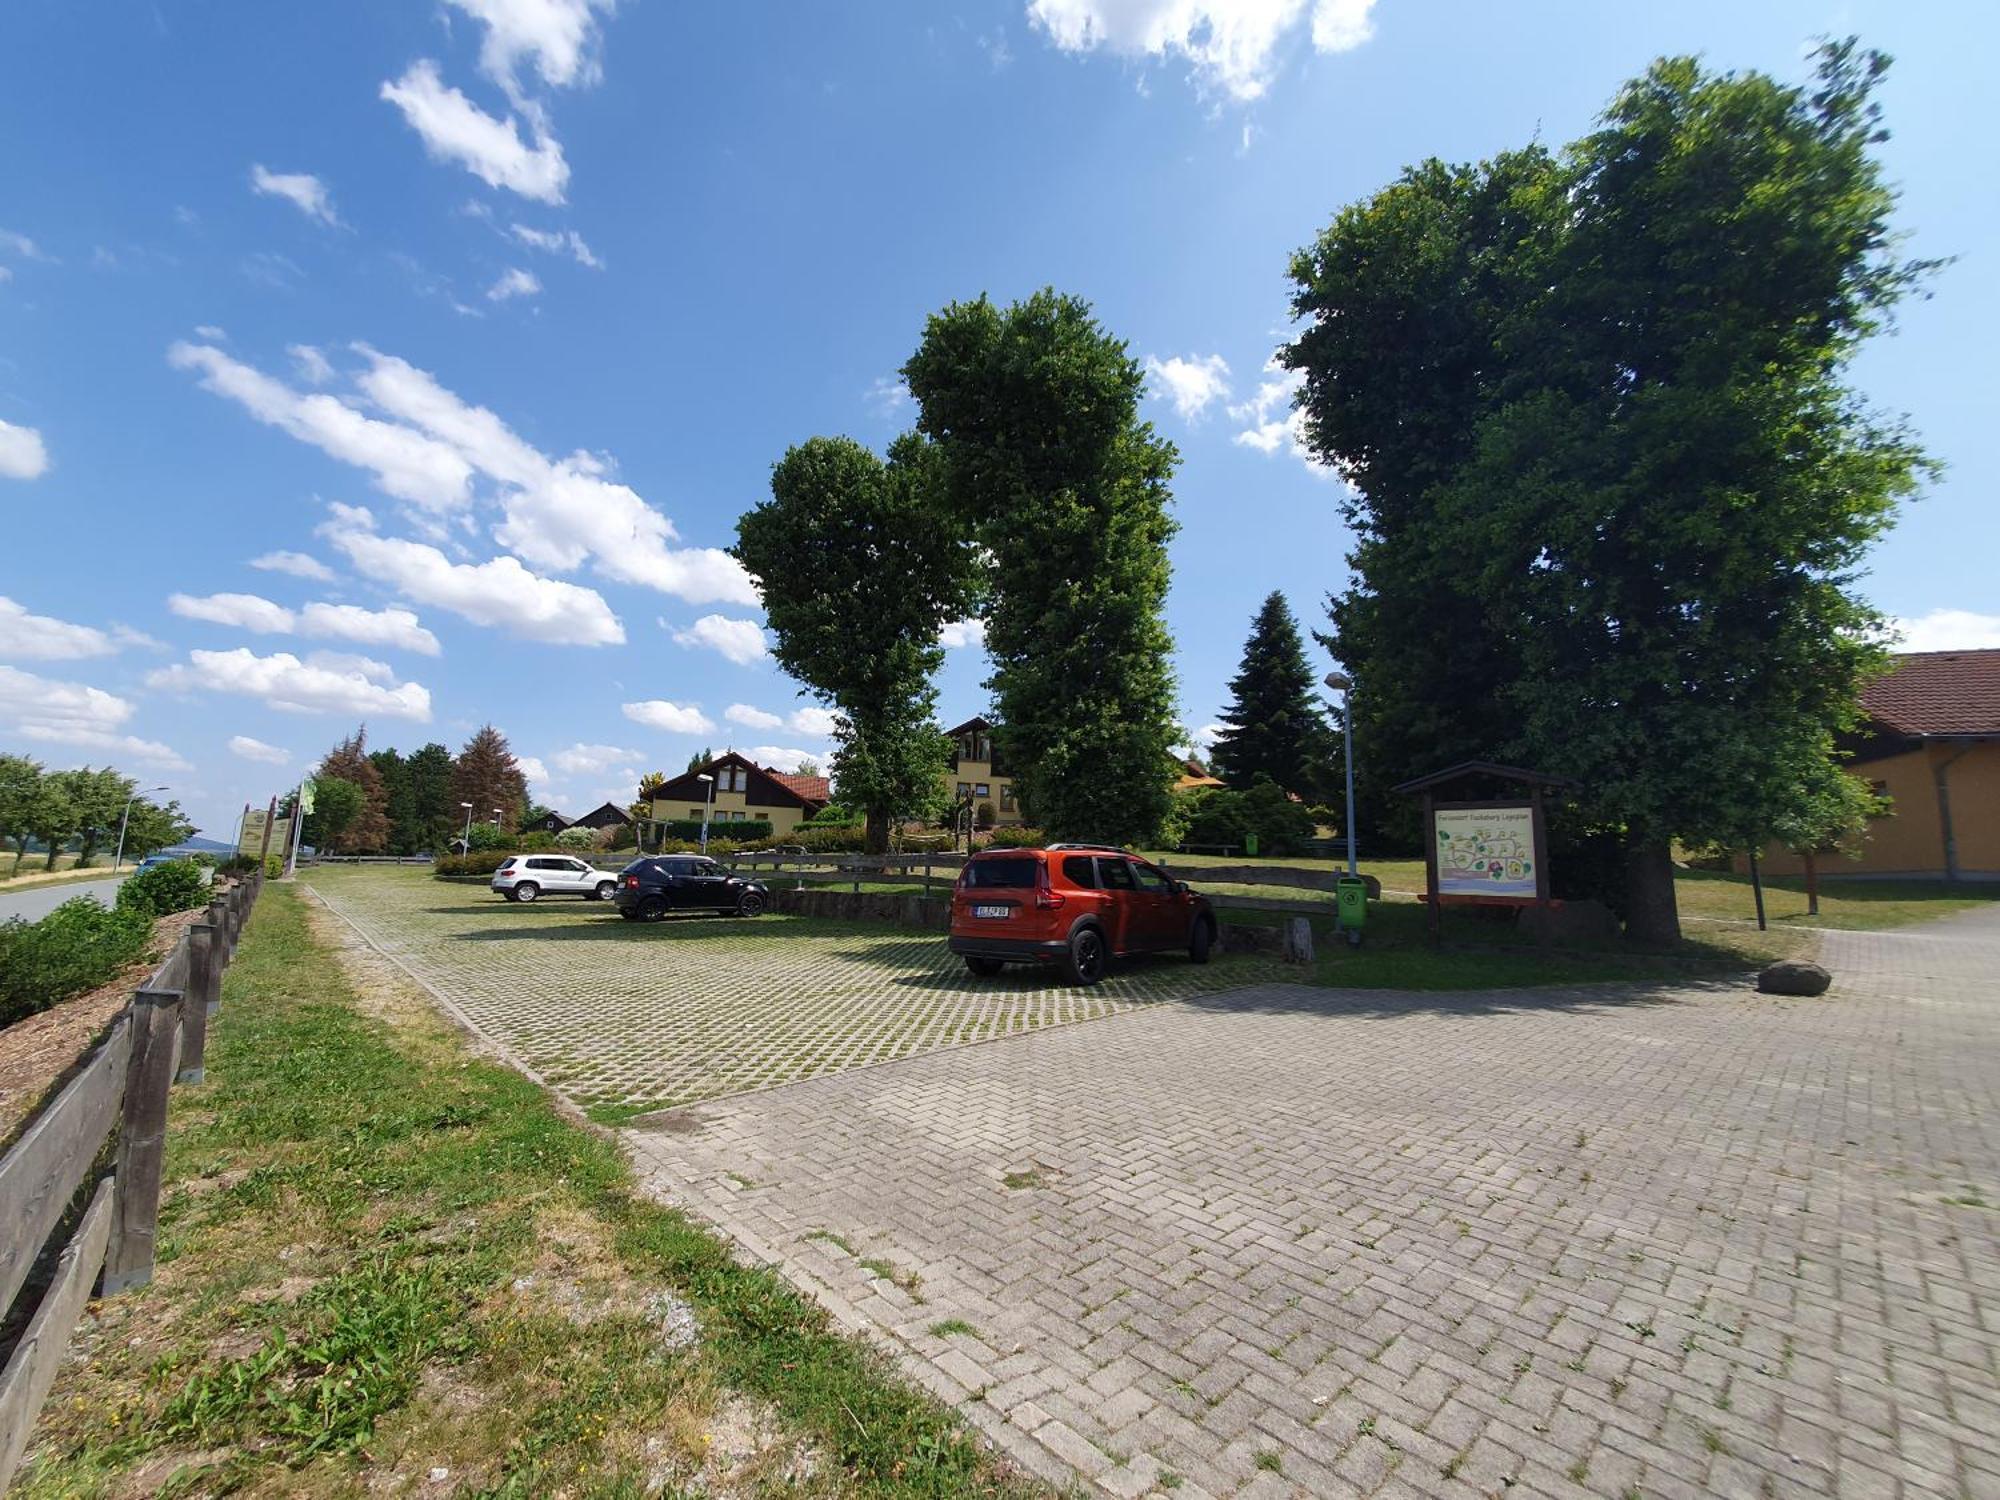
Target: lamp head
1340, 682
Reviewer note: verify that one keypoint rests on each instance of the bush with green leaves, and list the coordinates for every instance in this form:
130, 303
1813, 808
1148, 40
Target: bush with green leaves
833, 815
177, 885
1280, 825
478, 862
1017, 838
76, 947
748, 831
577, 839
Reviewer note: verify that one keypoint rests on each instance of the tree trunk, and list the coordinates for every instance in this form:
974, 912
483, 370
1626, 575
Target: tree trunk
1651, 917
20, 852
1811, 861
876, 837
55, 850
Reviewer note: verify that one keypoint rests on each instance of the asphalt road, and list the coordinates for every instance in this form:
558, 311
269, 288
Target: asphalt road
35, 902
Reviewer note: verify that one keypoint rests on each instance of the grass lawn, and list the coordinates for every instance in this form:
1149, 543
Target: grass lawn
382, 1258
32, 873
1854, 905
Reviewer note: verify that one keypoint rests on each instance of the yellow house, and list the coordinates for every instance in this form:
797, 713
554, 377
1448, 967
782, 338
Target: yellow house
744, 792
974, 774
1931, 743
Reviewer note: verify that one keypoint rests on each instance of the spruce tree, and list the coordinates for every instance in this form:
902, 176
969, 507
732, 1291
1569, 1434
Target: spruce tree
367, 832
487, 775
1275, 726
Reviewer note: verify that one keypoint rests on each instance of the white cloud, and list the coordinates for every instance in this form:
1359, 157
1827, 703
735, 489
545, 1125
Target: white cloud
302, 190
532, 768
584, 760
1342, 25
21, 245
298, 564
242, 611
1273, 421
559, 36
313, 367
1191, 383
28, 637
454, 129
249, 749
1208, 734
810, 720
405, 464
514, 282
500, 592
785, 758
888, 395
210, 332
354, 687
49, 711
674, 718
961, 633
740, 641
1948, 630
6, 273
368, 627
559, 242
558, 513
1232, 44
23, 455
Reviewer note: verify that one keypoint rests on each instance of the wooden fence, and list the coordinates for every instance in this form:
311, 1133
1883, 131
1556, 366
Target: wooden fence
158, 1041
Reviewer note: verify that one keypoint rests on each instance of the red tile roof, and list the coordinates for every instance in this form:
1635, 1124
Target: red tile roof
1938, 693
812, 788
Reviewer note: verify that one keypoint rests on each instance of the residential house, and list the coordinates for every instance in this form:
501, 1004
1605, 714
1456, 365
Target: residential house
1931, 743
744, 792
610, 815
1194, 777
975, 774
550, 822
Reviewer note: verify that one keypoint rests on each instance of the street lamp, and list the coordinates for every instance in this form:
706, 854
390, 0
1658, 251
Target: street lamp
708, 809
123, 818
496, 817
1341, 683
467, 839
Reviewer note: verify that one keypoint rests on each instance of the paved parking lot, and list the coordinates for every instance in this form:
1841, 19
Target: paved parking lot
1608, 1242
625, 1018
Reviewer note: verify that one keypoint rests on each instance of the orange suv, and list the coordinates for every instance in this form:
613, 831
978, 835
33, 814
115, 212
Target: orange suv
1079, 905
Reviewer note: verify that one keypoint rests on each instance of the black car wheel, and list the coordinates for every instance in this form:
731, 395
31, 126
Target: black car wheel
750, 904
606, 889
629, 915
1086, 957
1203, 941
527, 890
652, 909
985, 967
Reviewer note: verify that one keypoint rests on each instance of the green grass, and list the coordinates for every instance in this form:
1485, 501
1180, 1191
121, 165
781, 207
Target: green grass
381, 1254
1853, 905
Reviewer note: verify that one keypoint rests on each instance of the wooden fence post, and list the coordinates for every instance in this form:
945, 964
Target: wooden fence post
142, 1140
203, 984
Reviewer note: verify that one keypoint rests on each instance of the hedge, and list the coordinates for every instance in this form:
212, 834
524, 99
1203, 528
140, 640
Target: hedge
178, 885
76, 947
744, 832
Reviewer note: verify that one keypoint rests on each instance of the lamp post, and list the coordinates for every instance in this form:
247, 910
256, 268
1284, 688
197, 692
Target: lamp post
119, 859
496, 817
708, 808
467, 838
1341, 683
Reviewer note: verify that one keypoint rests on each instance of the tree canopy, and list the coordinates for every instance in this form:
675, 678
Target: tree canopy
367, 830
487, 775
859, 570
1034, 409
1274, 727
1610, 482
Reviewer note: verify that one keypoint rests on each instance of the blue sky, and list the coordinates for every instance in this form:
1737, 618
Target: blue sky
410, 362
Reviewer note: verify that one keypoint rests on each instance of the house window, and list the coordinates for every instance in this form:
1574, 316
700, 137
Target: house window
742, 780
1006, 796
697, 812
964, 790
982, 790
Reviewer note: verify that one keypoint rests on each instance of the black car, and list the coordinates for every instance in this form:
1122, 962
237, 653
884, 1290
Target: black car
650, 888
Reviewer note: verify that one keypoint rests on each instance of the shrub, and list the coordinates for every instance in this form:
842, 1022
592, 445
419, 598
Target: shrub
1222, 816
1017, 838
739, 832
485, 836
76, 947
986, 815
833, 815
478, 862
178, 885
577, 838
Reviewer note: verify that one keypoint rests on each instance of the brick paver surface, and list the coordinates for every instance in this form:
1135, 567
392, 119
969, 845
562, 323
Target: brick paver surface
1284, 1241
642, 1015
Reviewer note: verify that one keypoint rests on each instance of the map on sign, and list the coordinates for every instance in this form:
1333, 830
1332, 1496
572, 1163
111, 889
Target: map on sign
1486, 851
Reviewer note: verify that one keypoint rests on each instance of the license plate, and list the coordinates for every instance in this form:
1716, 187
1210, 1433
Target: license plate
992, 911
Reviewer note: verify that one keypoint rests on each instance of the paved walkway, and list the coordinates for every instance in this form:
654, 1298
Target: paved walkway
1609, 1242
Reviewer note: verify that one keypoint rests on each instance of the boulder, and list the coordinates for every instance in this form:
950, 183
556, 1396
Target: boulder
1794, 976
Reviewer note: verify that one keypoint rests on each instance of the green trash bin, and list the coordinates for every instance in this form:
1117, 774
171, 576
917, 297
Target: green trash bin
1249, 843
1350, 906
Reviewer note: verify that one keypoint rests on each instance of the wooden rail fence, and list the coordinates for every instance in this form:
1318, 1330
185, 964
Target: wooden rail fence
160, 1040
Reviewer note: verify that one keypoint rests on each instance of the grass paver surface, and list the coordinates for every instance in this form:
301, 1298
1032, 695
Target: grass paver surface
630, 1017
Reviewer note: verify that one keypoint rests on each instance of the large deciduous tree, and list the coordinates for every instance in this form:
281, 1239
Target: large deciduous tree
20, 782
431, 810
1035, 409
859, 569
1274, 725
487, 775
1610, 482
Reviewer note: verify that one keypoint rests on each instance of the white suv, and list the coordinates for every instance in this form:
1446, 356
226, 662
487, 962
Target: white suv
529, 877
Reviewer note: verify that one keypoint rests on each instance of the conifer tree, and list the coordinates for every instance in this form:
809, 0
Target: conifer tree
1275, 726
367, 832
487, 775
